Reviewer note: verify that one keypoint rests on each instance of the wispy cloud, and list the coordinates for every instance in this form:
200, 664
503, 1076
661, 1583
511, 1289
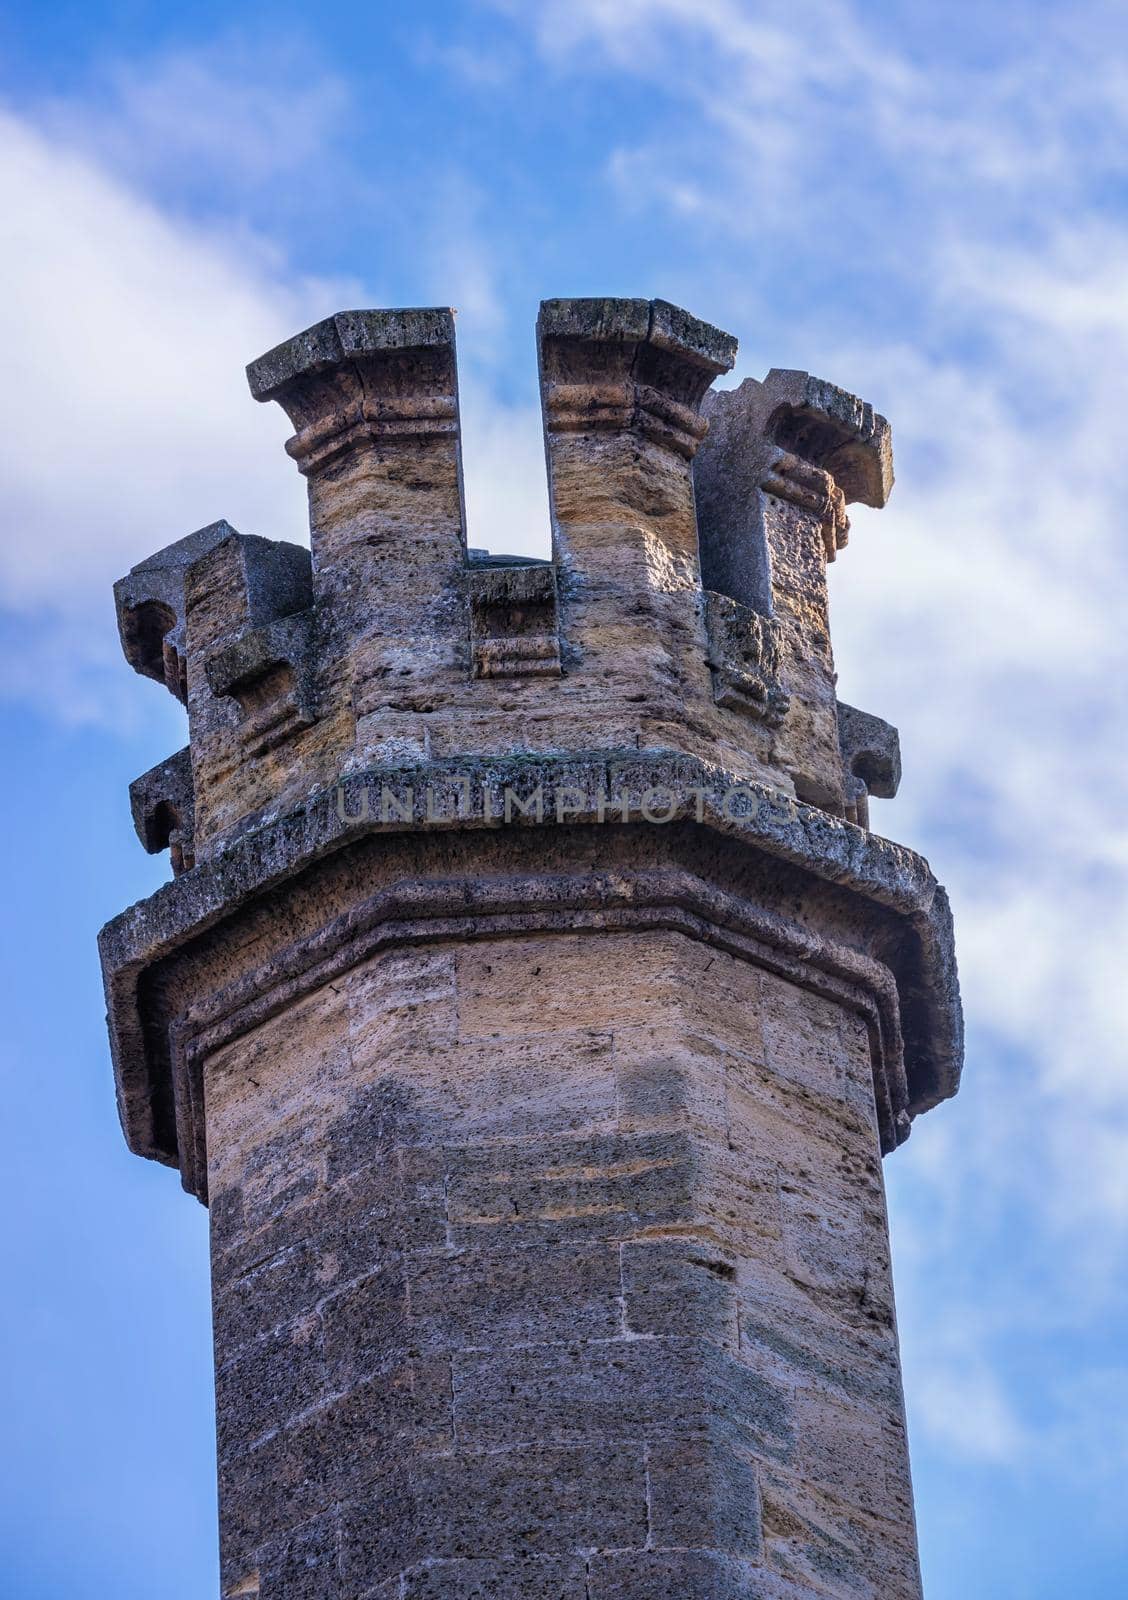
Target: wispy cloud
960, 265
221, 121
124, 418
930, 230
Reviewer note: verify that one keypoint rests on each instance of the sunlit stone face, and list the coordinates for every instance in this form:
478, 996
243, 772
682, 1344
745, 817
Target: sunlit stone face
535, 1248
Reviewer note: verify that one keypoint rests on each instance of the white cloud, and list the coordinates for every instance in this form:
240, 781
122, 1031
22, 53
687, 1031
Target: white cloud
125, 420
982, 611
229, 117
795, 119
965, 1408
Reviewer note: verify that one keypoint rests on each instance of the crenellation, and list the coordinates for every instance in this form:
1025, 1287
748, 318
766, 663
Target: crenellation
782, 460
514, 629
149, 602
621, 384
684, 607
871, 754
374, 396
532, 1007
163, 803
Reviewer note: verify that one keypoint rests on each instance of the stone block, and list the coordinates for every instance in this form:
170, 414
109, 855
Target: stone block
672, 1575
530, 1578
704, 1494
559, 1190
680, 1288
484, 1505
303, 1565
495, 1299
628, 1389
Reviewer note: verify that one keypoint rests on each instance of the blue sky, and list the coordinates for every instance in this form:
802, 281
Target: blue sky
927, 204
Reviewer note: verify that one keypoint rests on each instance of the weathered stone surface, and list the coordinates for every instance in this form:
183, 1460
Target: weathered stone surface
882, 880
149, 602
514, 631
673, 1575
744, 653
538, 1007
871, 755
163, 803
540, 1298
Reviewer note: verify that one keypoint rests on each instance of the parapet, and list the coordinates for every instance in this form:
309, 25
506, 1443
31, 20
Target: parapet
682, 617
684, 606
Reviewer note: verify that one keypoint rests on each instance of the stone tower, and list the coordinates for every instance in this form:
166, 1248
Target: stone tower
531, 1003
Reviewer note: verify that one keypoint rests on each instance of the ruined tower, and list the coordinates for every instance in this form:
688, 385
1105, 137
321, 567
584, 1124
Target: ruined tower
531, 1004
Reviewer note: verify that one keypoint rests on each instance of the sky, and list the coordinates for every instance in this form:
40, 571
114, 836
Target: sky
924, 203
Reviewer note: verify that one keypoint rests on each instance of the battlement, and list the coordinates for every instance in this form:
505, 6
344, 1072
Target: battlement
684, 607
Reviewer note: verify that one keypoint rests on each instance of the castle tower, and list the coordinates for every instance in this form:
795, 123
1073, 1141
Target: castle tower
531, 1004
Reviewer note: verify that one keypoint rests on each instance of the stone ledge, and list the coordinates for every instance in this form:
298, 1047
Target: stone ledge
334, 340
163, 804
446, 797
459, 910
656, 322
832, 429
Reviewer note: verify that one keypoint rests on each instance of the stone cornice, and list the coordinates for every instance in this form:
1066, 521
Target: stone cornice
360, 379
884, 880
789, 477
638, 366
461, 910
607, 407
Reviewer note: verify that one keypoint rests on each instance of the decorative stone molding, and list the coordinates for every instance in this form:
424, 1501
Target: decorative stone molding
811, 489
163, 804
513, 626
871, 753
269, 673
425, 913
892, 882
744, 653
362, 377
625, 365
834, 430
150, 608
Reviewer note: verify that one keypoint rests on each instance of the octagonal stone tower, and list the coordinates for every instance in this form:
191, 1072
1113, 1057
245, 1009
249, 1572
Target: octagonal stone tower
531, 1003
